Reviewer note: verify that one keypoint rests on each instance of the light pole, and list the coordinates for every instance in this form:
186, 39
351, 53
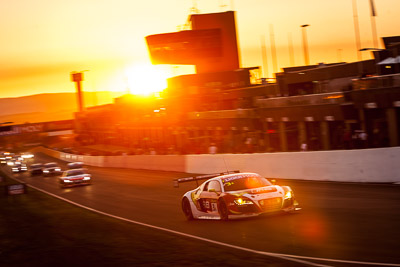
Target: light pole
373, 23
264, 57
357, 30
305, 45
77, 77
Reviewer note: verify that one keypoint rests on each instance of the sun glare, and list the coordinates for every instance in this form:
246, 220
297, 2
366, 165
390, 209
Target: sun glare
145, 79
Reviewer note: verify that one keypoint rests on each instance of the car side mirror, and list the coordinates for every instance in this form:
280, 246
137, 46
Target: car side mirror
214, 191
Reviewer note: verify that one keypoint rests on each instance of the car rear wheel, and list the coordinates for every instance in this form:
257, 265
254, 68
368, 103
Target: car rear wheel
187, 210
223, 210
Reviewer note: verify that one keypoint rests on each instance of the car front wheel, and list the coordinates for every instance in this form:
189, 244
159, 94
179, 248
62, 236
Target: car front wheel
223, 210
187, 210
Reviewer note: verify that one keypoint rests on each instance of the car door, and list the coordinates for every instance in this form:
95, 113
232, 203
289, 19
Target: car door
209, 196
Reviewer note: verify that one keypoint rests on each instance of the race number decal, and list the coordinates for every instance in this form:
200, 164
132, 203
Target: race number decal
213, 206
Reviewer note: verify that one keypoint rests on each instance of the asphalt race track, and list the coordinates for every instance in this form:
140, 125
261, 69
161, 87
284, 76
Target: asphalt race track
344, 221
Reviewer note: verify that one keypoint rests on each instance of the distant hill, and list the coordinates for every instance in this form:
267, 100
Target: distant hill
47, 107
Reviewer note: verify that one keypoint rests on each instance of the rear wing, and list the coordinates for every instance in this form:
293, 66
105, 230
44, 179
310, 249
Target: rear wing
200, 177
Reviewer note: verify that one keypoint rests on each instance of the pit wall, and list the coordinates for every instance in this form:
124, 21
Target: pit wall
147, 162
379, 165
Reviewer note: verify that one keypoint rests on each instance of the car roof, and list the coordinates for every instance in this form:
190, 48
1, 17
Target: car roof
80, 170
75, 163
234, 175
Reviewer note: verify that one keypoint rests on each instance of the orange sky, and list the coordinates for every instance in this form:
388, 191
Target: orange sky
43, 41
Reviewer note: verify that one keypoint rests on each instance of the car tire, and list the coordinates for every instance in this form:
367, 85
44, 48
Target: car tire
223, 210
187, 210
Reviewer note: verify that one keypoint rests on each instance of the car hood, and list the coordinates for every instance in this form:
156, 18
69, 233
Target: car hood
257, 191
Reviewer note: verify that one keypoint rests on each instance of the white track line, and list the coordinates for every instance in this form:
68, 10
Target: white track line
295, 258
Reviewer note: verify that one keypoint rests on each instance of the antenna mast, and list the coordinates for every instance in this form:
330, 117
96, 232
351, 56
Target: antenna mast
222, 5
192, 10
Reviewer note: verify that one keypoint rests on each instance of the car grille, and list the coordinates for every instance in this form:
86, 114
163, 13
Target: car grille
271, 204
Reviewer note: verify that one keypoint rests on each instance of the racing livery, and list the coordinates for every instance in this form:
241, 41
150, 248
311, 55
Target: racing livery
235, 195
36, 169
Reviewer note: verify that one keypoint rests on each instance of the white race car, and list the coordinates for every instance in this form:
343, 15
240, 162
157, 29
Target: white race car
233, 195
74, 177
51, 168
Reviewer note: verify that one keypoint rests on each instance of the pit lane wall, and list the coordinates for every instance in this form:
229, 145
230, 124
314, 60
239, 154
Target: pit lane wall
378, 165
147, 162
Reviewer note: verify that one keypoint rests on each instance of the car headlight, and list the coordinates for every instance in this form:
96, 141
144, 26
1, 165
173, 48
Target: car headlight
66, 181
58, 169
288, 195
86, 178
241, 201
46, 171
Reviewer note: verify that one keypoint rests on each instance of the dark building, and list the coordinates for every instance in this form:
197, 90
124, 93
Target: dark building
211, 45
326, 106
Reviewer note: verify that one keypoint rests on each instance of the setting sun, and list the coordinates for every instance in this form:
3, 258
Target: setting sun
145, 79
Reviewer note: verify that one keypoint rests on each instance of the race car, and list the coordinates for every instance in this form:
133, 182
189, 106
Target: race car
27, 155
51, 168
19, 168
74, 177
233, 195
36, 169
75, 165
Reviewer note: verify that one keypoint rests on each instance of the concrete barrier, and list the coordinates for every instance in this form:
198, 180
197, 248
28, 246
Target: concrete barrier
50, 152
148, 162
367, 165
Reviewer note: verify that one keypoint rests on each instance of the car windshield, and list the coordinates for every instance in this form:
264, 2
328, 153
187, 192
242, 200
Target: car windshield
49, 165
245, 183
76, 172
36, 165
75, 165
